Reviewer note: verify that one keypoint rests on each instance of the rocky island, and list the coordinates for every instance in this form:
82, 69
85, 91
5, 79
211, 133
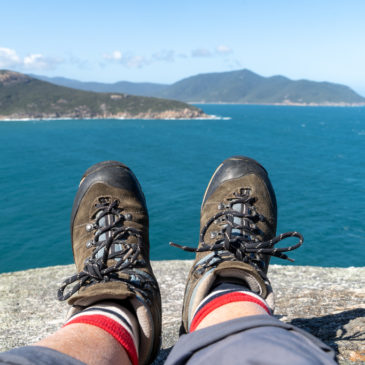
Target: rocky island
24, 97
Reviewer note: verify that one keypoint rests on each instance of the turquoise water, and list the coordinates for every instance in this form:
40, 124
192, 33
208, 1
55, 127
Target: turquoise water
315, 157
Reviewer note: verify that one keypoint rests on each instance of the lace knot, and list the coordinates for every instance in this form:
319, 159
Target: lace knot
114, 250
238, 233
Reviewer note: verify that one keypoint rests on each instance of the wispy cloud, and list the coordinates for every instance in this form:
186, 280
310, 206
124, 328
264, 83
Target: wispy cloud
135, 61
223, 49
127, 59
131, 60
166, 55
201, 52
10, 59
234, 64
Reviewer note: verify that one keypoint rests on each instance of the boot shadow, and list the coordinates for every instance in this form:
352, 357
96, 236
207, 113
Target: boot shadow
331, 328
162, 356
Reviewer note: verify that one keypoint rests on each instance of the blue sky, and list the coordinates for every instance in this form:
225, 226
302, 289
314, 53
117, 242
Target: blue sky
165, 41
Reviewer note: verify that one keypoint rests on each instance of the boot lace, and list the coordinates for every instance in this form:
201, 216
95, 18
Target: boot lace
110, 240
238, 234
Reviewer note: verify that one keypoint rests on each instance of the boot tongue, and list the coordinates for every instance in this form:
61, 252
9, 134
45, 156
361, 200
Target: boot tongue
243, 209
107, 221
237, 220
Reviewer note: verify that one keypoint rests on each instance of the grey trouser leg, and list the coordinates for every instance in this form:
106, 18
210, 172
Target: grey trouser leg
251, 340
36, 355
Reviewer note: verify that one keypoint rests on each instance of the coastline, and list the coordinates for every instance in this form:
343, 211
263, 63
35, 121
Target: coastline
173, 115
6, 120
167, 114
335, 105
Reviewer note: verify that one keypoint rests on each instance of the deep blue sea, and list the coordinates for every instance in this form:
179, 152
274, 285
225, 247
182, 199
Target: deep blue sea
315, 157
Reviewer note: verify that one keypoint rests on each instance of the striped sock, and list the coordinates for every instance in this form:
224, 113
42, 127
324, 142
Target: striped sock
223, 294
117, 321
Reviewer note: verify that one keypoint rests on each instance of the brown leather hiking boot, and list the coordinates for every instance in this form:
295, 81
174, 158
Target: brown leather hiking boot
237, 230
109, 231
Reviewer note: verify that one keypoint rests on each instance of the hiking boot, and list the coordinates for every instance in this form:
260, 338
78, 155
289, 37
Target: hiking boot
109, 232
237, 230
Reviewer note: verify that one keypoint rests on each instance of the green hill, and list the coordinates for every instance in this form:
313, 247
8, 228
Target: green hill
242, 86
22, 96
245, 86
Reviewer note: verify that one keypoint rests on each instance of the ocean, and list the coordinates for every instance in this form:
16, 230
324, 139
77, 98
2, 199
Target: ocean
314, 156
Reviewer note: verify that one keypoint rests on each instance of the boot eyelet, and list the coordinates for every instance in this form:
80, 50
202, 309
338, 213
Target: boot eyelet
213, 234
89, 227
128, 216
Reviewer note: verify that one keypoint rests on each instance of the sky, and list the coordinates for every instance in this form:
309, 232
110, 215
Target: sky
166, 41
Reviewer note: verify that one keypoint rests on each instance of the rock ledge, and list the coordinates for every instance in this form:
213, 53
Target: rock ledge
328, 302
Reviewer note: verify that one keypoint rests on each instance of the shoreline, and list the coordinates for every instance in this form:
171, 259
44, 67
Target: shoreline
188, 112
334, 105
8, 120
162, 117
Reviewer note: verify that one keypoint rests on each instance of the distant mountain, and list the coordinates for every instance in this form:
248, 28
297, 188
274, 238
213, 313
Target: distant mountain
243, 86
133, 88
247, 87
22, 96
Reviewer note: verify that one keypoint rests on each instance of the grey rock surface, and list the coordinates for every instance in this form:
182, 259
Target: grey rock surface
327, 302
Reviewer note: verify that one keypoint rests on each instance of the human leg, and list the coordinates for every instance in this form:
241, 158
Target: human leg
109, 331
228, 298
87, 343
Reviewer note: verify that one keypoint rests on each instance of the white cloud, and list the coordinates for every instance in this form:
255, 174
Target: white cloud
222, 49
114, 56
39, 62
8, 58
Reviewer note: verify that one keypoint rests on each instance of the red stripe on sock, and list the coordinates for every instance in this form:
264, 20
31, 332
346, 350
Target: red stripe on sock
113, 328
218, 302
